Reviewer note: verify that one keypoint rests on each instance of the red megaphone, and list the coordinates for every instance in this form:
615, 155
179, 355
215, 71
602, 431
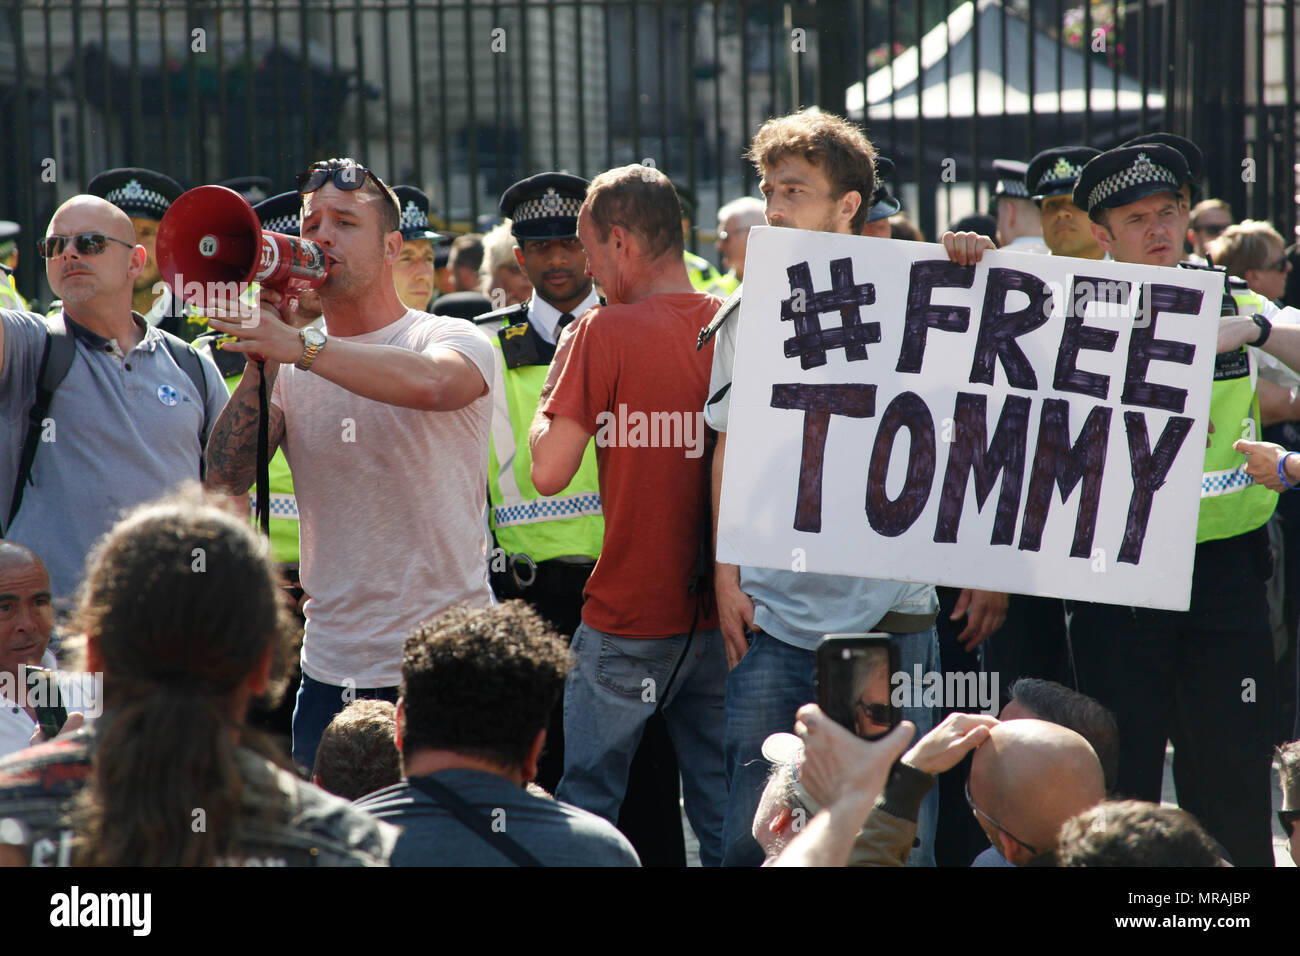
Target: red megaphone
211, 245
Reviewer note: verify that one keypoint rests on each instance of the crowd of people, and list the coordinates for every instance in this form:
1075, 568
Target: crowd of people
516, 647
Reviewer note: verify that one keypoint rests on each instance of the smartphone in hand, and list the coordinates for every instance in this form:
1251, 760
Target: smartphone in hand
854, 682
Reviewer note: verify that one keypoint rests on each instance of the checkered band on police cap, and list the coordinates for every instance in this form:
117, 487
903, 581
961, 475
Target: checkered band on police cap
283, 224
1010, 175
1062, 171
1013, 188
1141, 172
132, 196
281, 213
548, 205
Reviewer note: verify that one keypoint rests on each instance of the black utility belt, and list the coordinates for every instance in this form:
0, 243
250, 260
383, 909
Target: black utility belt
562, 574
897, 623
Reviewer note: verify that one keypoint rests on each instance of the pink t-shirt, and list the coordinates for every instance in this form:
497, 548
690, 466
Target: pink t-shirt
391, 503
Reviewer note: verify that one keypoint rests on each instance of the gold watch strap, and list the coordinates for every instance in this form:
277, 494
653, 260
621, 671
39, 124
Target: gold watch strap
309, 353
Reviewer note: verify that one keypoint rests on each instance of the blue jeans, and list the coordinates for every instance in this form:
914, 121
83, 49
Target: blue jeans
314, 708
614, 687
771, 682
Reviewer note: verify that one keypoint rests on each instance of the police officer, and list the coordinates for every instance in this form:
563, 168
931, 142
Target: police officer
1183, 675
702, 273
145, 196
1020, 227
415, 271
1191, 189
545, 561
546, 547
1050, 179
883, 203
255, 189
9, 296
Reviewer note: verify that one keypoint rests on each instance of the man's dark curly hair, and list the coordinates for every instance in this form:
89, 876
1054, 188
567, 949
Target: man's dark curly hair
481, 681
1133, 833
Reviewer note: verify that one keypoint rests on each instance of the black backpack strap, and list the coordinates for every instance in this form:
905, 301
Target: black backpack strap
56, 358
454, 804
187, 357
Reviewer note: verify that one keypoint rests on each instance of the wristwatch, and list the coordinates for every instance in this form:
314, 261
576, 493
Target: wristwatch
313, 340
1265, 327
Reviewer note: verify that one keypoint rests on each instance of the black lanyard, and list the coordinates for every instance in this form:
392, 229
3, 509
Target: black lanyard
452, 802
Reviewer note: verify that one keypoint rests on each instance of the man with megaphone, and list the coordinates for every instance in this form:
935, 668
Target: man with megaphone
384, 420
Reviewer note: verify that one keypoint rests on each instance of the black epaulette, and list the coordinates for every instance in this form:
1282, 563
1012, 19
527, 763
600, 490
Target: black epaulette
507, 315
521, 344
725, 312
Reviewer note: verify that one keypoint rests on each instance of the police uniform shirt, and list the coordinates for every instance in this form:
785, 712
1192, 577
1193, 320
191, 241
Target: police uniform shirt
545, 316
1027, 244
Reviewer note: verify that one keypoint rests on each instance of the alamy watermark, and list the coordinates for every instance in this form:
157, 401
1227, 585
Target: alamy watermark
79, 691
957, 690
638, 429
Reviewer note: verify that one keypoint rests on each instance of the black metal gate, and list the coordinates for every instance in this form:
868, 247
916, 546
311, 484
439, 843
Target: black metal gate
462, 97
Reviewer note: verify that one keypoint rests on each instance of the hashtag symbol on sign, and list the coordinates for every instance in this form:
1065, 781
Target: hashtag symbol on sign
804, 308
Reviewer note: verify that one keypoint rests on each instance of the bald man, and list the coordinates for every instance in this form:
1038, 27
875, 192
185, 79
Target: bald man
735, 219
26, 623
126, 421
1026, 780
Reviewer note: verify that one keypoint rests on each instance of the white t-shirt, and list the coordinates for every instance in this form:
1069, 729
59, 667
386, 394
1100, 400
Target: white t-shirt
391, 502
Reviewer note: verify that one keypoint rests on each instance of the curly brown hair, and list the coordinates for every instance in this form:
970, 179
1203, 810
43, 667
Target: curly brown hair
1131, 833
827, 141
481, 682
358, 750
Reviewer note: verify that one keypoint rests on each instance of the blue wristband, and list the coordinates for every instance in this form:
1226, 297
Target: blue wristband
1281, 471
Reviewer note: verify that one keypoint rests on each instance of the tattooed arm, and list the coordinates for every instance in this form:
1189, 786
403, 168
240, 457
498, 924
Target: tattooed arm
232, 446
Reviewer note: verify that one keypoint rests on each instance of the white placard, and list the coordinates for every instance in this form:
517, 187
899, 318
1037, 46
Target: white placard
880, 390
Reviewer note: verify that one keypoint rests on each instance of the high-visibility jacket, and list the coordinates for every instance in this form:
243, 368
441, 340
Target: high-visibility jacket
524, 521
1231, 502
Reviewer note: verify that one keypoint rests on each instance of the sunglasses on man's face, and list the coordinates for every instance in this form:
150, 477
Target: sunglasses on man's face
970, 802
876, 713
86, 243
1211, 229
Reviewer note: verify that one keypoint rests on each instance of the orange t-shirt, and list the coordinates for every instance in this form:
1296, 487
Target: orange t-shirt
634, 380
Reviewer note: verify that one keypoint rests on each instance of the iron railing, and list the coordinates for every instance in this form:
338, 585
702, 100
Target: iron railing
462, 97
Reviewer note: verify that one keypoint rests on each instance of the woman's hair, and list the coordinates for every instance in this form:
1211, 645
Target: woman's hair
181, 601
1246, 245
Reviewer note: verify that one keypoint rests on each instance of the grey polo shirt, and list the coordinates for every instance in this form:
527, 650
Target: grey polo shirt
123, 429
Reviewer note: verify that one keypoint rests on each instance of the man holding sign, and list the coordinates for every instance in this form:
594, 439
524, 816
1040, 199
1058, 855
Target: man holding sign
1204, 677
816, 170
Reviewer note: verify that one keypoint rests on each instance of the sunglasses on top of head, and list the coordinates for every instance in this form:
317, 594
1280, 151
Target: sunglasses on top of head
345, 175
